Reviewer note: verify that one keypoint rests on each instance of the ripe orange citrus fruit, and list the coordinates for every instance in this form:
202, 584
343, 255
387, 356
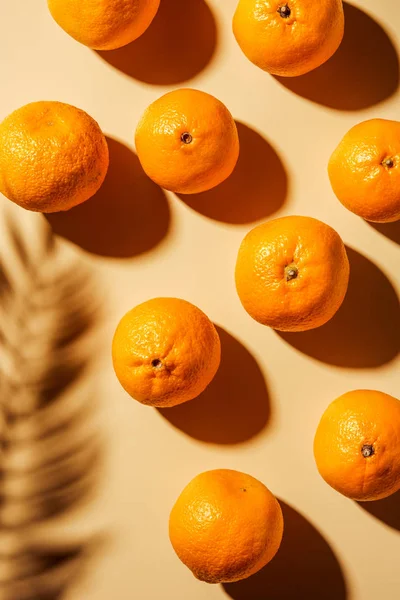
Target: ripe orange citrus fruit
53, 156
104, 25
187, 141
364, 170
165, 352
292, 273
357, 445
289, 37
225, 526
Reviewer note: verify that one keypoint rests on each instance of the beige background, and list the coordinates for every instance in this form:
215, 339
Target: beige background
261, 413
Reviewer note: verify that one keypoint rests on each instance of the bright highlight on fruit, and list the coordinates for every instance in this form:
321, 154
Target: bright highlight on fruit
225, 526
364, 170
289, 37
105, 24
53, 156
356, 446
165, 351
187, 141
292, 273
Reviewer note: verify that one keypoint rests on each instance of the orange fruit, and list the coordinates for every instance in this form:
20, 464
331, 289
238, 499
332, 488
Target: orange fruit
53, 156
187, 141
105, 24
357, 445
165, 352
364, 170
225, 526
289, 38
292, 273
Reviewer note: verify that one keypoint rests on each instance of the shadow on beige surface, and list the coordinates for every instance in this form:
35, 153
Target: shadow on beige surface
363, 72
304, 568
51, 447
256, 189
365, 332
386, 510
389, 230
129, 215
178, 45
235, 406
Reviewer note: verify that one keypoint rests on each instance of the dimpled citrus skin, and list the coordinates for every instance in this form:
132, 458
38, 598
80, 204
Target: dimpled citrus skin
179, 337
292, 45
357, 419
197, 166
310, 299
104, 24
359, 174
53, 156
225, 526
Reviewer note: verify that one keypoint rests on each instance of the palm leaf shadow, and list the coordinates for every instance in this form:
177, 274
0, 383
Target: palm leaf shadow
50, 447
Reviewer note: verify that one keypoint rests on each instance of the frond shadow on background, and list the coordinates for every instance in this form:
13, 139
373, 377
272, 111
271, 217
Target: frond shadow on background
389, 230
178, 45
51, 449
363, 72
128, 216
386, 510
256, 189
236, 405
365, 332
305, 567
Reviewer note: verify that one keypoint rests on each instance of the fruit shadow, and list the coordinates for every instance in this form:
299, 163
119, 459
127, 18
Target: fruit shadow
178, 45
363, 72
234, 408
304, 567
389, 230
365, 332
128, 216
256, 189
386, 510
